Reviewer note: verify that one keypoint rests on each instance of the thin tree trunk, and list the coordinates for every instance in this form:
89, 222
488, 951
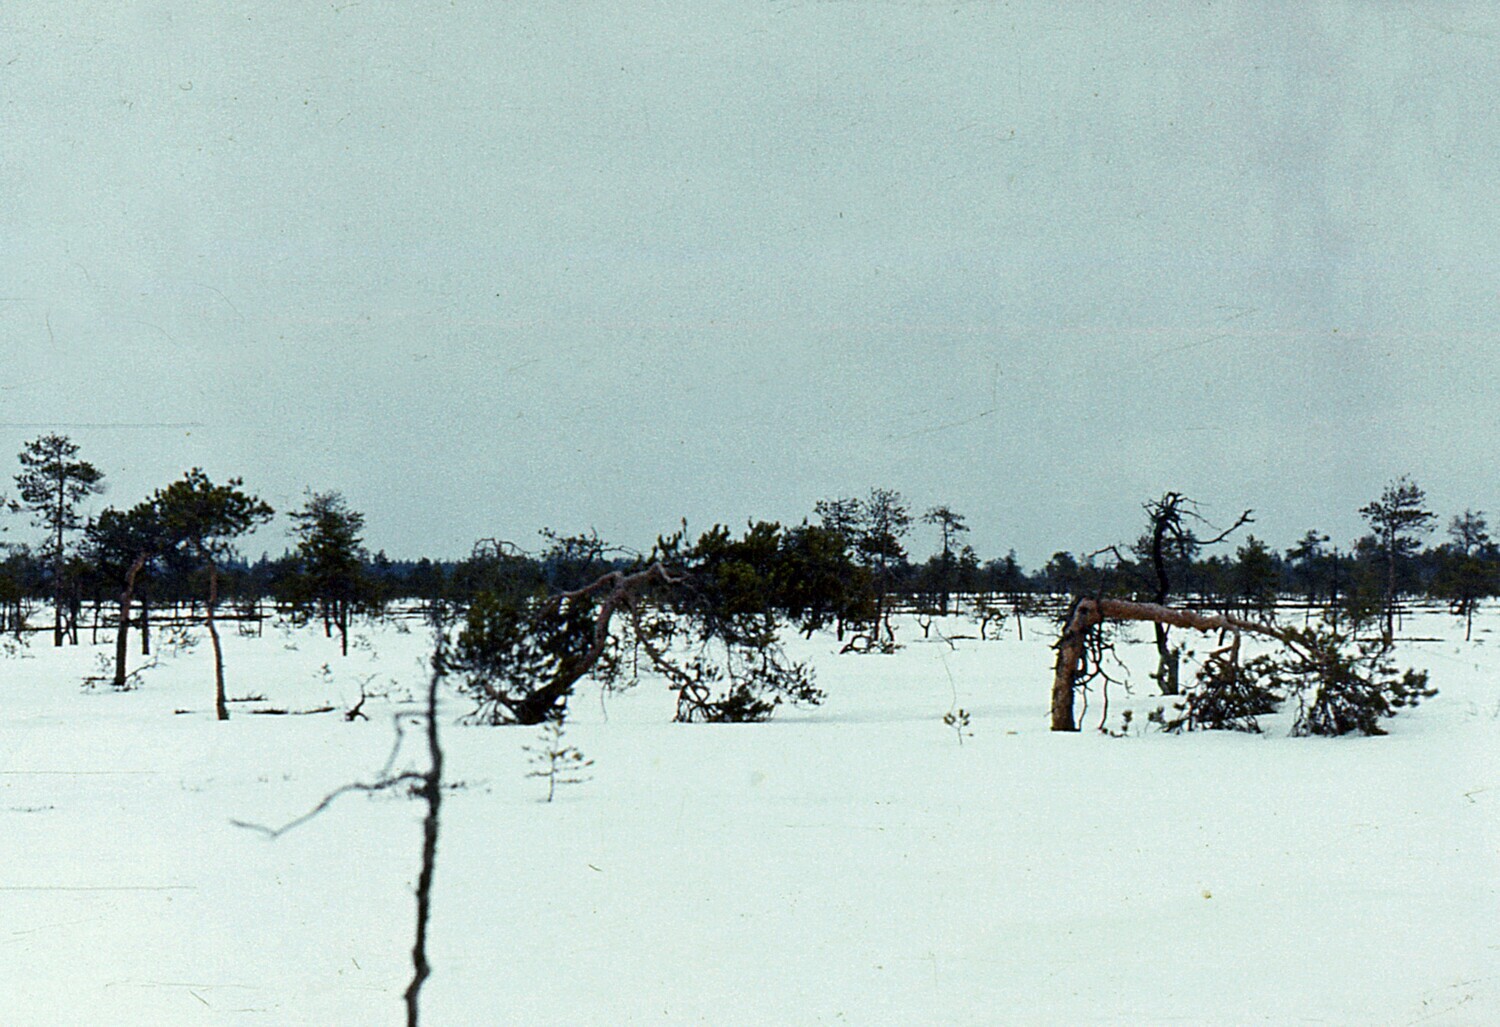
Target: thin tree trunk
1390, 593
123, 633
145, 627
221, 703
57, 577
432, 791
1166, 659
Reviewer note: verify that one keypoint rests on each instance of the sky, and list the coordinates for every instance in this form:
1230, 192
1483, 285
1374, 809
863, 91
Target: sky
490, 267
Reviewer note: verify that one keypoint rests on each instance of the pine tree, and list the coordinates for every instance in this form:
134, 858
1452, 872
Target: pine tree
1466, 572
202, 520
1398, 520
331, 555
560, 764
52, 483
950, 525
122, 545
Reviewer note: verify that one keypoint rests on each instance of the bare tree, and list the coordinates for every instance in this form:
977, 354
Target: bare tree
1173, 539
426, 785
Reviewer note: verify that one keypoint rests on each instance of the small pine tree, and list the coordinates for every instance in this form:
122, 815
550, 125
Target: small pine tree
560, 764
1398, 520
1227, 696
958, 720
331, 558
1343, 687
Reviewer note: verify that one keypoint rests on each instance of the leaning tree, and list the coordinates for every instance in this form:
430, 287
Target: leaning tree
706, 615
201, 520
1340, 687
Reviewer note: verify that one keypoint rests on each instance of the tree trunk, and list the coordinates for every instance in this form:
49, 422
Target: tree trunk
1390, 593
57, 577
432, 792
1070, 650
221, 703
1166, 659
145, 627
123, 633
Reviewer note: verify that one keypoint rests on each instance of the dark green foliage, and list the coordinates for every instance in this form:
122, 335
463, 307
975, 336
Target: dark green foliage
1398, 520
516, 655
706, 616
1256, 577
1466, 571
123, 546
204, 518
200, 521
51, 484
1342, 686
821, 584
1312, 570
1226, 696
331, 563
950, 525
872, 529
117, 538
740, 588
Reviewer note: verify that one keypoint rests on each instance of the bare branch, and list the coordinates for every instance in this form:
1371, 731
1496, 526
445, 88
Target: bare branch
385, 784
1240, 522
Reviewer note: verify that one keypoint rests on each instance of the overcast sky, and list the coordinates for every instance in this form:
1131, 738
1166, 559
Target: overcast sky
486, 267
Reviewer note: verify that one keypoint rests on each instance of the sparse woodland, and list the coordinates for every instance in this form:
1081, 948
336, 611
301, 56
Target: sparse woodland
1242, 635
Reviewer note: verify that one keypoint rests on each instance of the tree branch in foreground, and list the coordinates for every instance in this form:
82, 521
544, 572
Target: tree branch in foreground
429, 786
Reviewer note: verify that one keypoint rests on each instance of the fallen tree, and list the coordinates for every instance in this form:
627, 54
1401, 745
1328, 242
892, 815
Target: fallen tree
1340, 685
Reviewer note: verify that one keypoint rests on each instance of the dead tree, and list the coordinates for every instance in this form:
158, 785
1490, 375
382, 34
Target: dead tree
1172, 537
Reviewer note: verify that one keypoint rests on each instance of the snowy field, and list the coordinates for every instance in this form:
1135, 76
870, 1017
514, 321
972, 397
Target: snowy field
847, 864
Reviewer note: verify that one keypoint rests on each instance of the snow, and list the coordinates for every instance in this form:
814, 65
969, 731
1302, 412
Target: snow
851, 863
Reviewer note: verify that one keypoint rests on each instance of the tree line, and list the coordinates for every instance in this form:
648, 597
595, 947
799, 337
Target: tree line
551, 614
179, 543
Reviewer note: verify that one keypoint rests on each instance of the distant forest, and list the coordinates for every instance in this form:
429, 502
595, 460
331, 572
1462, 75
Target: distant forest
159, 551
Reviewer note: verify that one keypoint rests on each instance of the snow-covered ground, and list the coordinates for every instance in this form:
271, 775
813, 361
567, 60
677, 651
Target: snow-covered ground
848, 864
